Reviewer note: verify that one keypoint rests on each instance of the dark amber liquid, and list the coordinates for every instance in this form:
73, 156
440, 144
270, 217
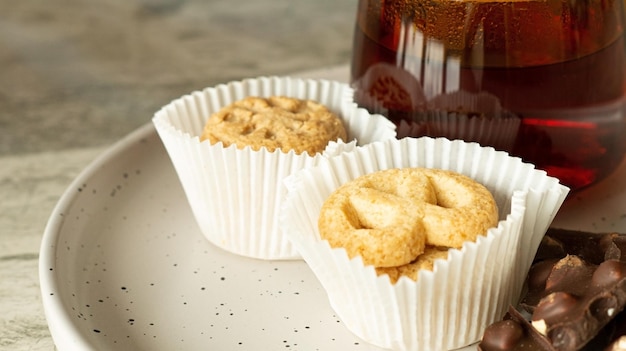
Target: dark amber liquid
556, 69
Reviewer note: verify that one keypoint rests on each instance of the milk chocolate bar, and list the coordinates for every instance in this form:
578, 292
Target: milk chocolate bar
576, 291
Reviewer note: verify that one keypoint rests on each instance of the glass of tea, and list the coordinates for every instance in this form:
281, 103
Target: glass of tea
543, 80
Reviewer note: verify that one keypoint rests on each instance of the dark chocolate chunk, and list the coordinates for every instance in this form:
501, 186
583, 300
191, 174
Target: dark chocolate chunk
591, 247
576, 292
617, 345
609, 335
573, 316
550, 248
614, 332
556, 308
569, 274
539, 273
514, 333
608, 273
502, 335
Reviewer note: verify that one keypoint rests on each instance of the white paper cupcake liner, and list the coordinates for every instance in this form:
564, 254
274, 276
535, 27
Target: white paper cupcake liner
453, 115
448, 307
235, 195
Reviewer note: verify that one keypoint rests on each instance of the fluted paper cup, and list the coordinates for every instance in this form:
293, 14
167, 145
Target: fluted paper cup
235, 194
448, 307
466, 116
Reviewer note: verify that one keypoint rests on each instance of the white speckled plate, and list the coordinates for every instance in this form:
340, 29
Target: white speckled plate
123, 266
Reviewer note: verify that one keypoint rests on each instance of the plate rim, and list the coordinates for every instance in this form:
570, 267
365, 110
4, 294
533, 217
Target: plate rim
65, 334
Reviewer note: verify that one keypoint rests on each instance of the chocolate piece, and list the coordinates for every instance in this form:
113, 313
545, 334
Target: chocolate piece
579, 300
591, 247
582, 303
502, 335
608, 273
513, 333
570, 274
537, 278
575, 289
550, 248
614, 334
618, 345
555, 308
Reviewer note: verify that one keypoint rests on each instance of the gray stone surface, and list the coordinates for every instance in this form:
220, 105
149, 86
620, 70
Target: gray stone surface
76, 76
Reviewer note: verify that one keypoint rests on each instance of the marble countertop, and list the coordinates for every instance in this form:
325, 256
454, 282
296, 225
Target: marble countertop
77, 76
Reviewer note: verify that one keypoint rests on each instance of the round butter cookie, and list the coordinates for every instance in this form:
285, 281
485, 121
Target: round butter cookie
276, 122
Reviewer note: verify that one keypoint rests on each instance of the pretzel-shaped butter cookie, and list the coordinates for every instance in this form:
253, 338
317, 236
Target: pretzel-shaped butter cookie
388, 217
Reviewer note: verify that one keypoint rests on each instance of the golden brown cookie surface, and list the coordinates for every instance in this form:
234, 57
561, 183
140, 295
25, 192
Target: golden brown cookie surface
276, 122
390, 217
425, 261
382, 228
